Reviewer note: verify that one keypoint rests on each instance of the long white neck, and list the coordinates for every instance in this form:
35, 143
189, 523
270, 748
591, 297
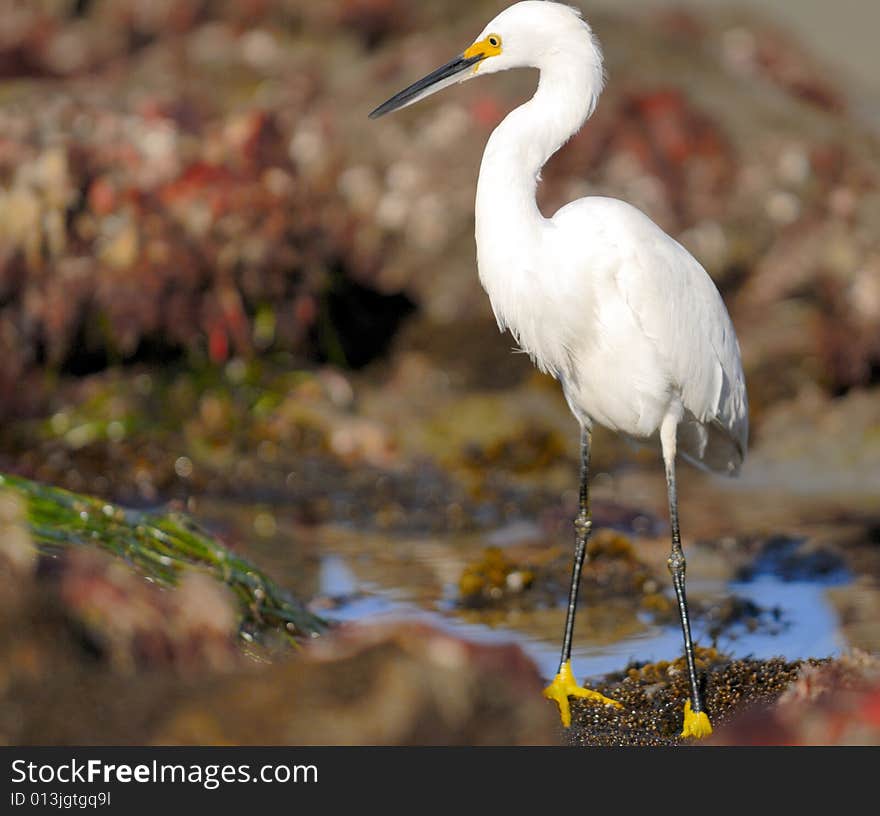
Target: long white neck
518, 149
510, 228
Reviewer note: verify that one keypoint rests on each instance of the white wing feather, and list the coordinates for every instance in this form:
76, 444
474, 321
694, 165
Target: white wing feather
676, 309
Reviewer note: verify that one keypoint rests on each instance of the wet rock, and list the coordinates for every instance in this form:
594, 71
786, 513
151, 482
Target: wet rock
832, 703
653, 697
734, 617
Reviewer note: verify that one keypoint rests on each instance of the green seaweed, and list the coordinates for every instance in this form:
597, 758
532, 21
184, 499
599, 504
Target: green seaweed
161, 546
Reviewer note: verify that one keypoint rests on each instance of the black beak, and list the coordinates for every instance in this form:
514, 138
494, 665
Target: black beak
444, 76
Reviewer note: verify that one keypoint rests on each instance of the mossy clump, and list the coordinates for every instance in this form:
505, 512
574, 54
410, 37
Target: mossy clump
657, 604
662, 670
613, 570
163, 548
530, 450
492, 579
612, 573
608, 544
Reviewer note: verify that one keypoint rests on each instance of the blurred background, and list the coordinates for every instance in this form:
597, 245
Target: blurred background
223, 289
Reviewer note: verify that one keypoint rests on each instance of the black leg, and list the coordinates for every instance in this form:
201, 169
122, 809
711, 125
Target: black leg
677, 567
564, 685
582, 527
696, 723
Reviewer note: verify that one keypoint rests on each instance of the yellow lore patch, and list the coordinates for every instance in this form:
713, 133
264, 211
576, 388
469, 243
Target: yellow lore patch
489, 46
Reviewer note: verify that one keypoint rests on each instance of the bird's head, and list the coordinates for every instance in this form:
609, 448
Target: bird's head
529, 34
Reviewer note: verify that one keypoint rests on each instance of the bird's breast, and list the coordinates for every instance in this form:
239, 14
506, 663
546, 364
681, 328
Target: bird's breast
528, 301
574, 324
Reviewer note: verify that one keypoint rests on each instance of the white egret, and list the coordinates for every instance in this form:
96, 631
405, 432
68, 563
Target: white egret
598, 295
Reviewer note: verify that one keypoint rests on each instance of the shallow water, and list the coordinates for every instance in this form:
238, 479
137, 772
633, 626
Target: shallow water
361, 577
808, 628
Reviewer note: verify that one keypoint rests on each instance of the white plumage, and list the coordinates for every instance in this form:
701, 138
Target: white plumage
598, 295
630, 324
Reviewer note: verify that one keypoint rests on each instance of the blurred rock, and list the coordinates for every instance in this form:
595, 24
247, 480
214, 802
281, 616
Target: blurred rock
819, 445
770, 54
134, 625
398, 684
18, 557
145, 212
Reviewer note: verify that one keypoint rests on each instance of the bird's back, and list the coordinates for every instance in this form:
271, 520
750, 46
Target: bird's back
660, 332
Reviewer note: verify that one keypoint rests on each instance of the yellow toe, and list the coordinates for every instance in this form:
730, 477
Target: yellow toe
696, 724
564, 686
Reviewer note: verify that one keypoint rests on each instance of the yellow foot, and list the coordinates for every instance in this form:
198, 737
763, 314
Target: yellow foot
695, 724
564, 686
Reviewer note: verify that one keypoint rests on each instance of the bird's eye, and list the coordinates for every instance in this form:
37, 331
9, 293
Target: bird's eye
494, 41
